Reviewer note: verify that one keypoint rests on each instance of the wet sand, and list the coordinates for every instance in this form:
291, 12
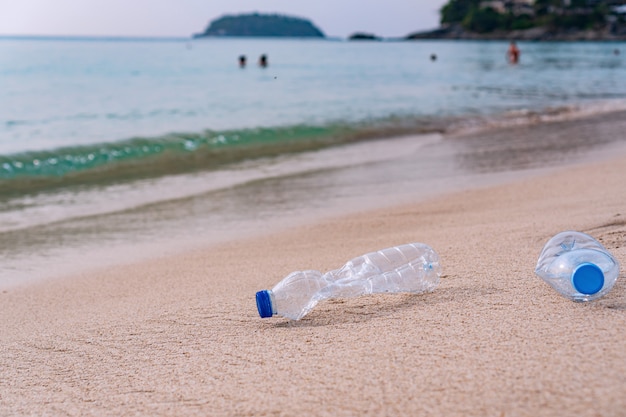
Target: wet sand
180, 335
265, 196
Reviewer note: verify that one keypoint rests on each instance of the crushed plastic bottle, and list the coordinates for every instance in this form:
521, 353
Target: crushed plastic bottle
412, 268
577, 266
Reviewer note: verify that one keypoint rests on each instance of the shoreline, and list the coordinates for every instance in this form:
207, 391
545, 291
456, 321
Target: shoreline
333, 182
181, 335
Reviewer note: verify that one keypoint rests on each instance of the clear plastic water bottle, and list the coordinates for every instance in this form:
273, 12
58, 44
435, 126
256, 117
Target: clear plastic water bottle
577, 266
410, 268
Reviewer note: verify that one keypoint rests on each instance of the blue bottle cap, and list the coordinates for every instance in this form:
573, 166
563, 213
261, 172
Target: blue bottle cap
588, 279
264, 303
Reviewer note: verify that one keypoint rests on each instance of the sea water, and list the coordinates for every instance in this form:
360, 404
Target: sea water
126, 140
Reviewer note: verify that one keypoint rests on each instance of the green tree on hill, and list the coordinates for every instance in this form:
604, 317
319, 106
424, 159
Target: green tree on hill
550, 13
456, 10
482, 20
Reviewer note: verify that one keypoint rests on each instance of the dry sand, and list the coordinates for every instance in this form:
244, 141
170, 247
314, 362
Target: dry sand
181, 336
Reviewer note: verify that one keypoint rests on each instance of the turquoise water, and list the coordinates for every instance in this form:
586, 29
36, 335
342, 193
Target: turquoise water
135, 135
68, 107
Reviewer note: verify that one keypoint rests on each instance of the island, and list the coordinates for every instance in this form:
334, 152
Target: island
261, 25
362, 36
567, 20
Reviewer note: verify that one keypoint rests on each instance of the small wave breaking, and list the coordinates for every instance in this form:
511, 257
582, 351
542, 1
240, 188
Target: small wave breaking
176, 153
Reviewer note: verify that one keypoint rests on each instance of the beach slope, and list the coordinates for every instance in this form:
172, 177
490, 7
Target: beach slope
181, 335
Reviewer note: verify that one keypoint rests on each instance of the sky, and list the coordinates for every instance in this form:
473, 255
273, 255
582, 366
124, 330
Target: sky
182, 18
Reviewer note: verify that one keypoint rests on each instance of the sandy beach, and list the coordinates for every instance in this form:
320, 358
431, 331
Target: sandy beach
181, 335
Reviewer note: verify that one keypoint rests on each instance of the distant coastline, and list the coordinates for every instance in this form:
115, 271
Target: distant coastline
457, 32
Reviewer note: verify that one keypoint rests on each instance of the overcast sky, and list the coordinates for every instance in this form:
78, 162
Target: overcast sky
386, 18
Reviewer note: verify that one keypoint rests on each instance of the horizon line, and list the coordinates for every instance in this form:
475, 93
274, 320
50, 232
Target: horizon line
146, 38
94, 37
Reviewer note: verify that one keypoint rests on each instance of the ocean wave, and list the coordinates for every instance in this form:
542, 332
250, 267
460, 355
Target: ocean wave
46, 208
153, 157
177, 153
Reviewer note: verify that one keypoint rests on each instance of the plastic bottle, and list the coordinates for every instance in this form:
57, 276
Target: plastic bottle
577, 266
411, 268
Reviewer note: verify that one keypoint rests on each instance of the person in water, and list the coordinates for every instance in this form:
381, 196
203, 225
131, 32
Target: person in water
242, 61
513, 53
263, 61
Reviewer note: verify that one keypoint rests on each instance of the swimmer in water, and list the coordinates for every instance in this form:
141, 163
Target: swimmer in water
513, 53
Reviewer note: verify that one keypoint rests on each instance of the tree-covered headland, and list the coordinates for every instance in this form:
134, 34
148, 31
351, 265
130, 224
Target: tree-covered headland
508, 15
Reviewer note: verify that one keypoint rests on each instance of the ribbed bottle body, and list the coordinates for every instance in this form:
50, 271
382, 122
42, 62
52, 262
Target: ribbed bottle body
408, 268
